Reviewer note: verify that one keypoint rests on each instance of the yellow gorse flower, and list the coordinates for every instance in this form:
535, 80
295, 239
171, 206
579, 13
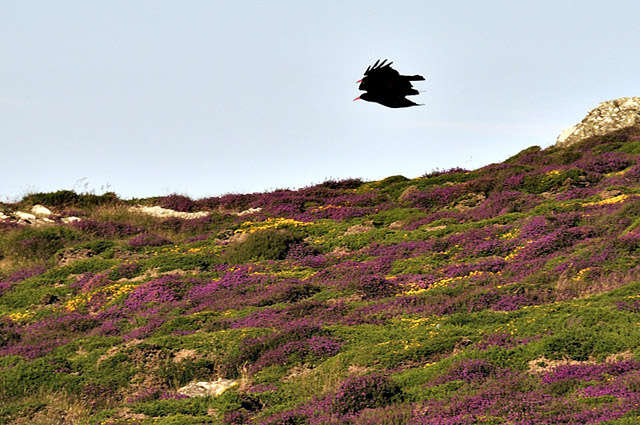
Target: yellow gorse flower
19, 317
414, 289
79, 301
325, 207
614, 200
270, 223
515, 252
113, 292
510, 235
580, 274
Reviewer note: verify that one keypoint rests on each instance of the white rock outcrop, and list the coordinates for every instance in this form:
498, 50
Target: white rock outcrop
166, 212
24, 217
607, 117
249, 211
41, 211
207, 389
67, 220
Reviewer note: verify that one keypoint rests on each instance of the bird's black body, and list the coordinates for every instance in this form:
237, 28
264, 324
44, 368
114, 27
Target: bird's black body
388, 100
385, 85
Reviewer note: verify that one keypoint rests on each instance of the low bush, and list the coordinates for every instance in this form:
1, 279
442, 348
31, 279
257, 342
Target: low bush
148, 239
365, 392
36, 244
268, 244
69, 198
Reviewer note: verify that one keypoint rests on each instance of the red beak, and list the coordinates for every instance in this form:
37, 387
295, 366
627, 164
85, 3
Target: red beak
357, 98
359, 81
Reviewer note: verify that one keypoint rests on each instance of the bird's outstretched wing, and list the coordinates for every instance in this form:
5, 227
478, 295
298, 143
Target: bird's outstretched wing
378, 75
382, 77
380, 69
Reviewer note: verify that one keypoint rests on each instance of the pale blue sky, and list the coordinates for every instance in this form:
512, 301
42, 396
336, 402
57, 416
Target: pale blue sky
204, 98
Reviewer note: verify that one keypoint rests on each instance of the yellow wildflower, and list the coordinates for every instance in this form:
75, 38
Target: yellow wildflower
270, 223
510, 235
581, 274
614, 200
19, 317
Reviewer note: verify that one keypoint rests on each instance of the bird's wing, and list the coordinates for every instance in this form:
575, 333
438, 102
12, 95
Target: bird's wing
378, 76
380, 69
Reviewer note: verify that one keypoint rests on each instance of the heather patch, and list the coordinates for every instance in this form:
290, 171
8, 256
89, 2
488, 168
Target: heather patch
507, 294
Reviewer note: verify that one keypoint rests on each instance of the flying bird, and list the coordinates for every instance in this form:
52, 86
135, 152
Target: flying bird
384, 85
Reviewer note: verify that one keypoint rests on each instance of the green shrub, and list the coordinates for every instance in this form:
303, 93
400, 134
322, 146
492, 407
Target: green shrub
525, 153
580, 344
384, 218
197, 406
178, 374
96, 247
69, 198
632, 148
114, 371
37, 243
180, 261
269, 244
439, 178
540, 183
20, 411
391, 180
61, 198
39, 375
562, 387
94, 265
391, 186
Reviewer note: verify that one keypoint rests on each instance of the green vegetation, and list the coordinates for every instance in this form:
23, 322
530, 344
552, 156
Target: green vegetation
507, 294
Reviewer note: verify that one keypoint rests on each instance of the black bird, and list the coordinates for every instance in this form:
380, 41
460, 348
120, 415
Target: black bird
385, 85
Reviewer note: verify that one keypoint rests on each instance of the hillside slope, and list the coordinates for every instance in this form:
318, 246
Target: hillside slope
507, 294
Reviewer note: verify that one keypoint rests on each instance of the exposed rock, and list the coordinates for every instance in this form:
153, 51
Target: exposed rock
297, 372
340, 251
408, 193
167, 213
609, 193
115, 350
40, 211
185, 354
128, 415
70, 255
67, 220
581, 181
249, 211
544, 365
207, 389
460, 345
237, 238
607, 117
24, 217
469, 201
434, 228
358, 228
397, 224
